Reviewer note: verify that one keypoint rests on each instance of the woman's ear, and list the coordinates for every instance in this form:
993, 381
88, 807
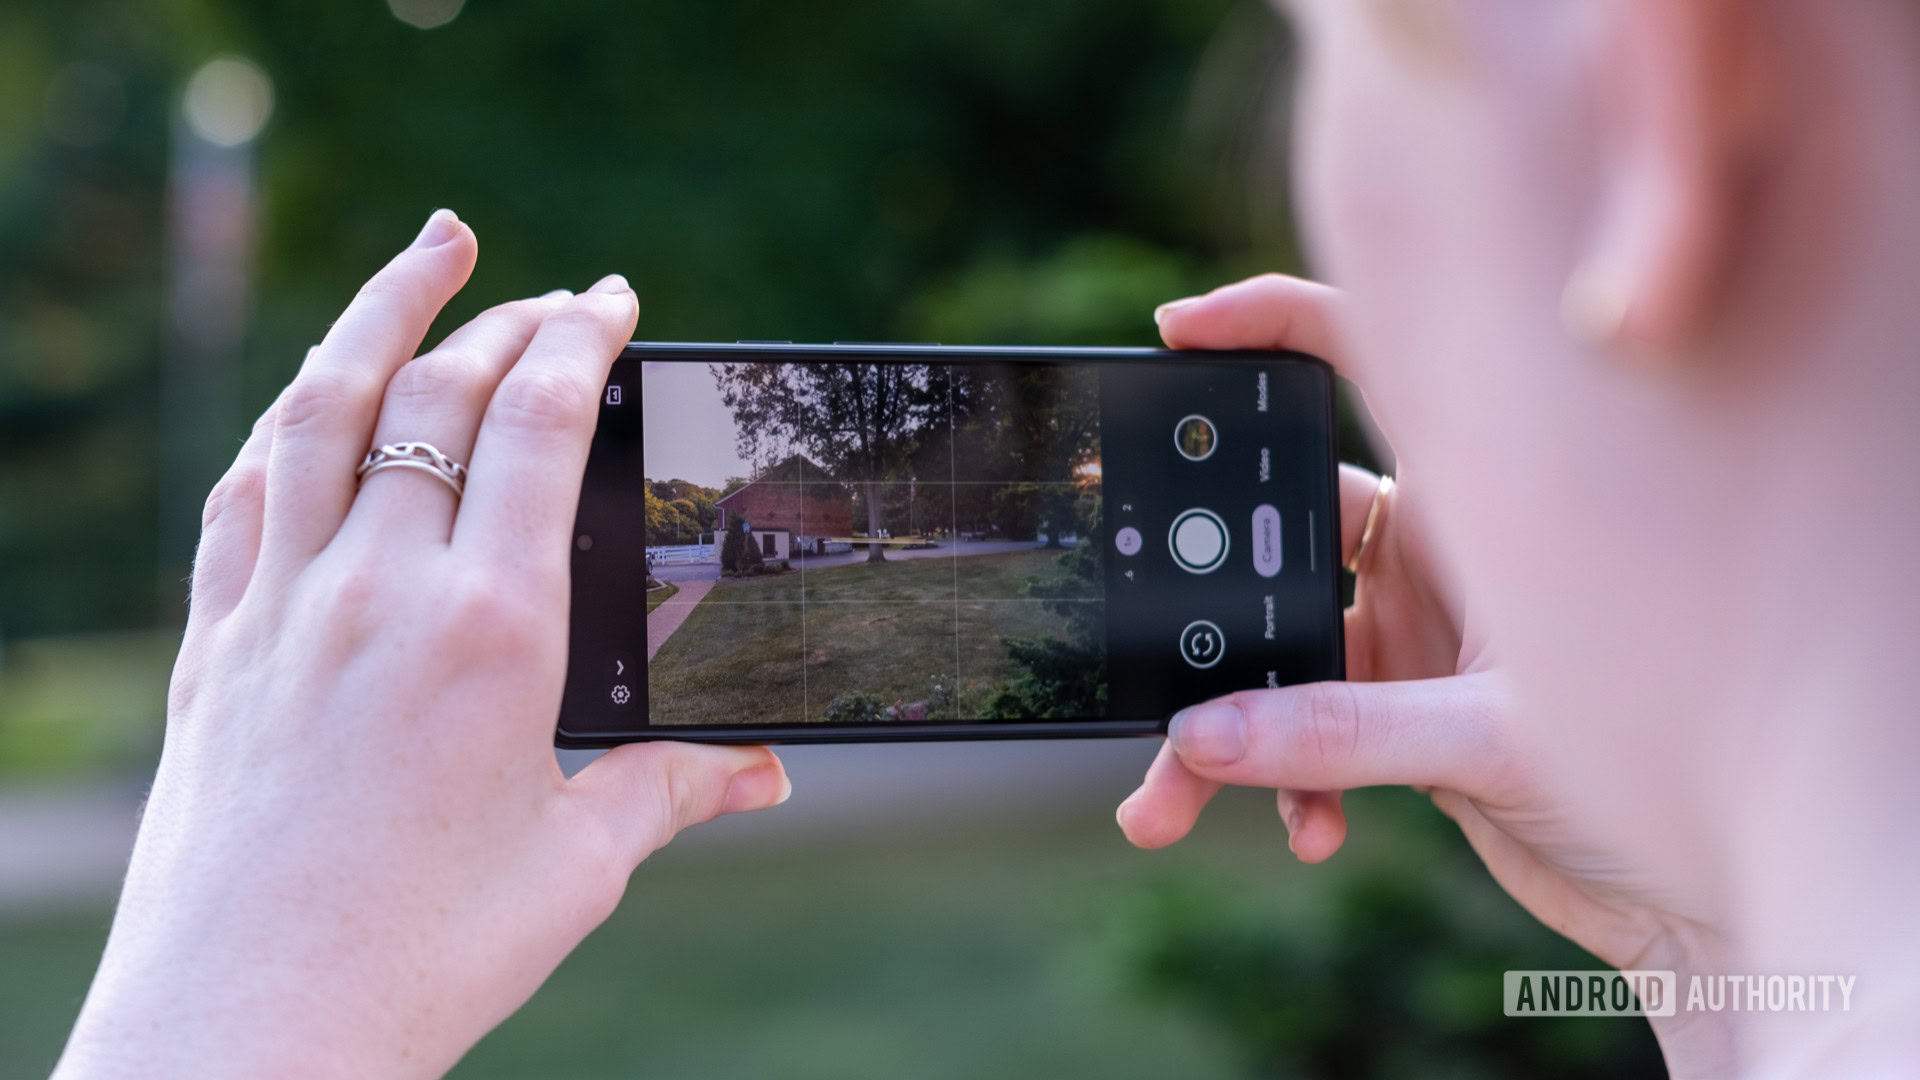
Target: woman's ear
1681, 92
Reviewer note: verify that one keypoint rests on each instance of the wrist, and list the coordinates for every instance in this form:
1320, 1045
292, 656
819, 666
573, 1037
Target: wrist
165, 1020
1693, 1043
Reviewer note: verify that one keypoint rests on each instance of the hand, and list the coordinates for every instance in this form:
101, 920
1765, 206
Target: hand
1427, 706
359, 853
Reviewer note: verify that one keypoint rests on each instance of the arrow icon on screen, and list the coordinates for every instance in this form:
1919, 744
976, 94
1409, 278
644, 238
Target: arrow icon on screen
619, 668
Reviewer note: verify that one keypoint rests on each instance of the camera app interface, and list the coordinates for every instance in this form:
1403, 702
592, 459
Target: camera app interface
893, 542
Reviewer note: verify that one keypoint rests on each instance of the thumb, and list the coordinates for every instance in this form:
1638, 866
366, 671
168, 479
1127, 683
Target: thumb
648, 792
1337, 735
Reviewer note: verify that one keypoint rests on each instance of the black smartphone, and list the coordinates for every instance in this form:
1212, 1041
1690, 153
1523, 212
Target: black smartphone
864, 543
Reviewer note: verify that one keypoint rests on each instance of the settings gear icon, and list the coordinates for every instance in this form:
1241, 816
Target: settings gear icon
621, 695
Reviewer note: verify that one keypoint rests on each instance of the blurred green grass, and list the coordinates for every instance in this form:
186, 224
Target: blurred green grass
83, 704
1007, 949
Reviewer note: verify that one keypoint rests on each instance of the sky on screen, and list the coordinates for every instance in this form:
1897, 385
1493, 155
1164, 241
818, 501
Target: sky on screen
688, 429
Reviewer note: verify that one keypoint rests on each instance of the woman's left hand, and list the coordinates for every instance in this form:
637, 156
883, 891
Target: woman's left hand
359, 854
1427, 705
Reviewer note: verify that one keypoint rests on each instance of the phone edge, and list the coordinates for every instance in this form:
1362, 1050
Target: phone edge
796, 735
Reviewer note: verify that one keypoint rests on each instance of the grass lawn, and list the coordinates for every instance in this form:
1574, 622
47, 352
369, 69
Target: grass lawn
963, 952
887, 629
991, 948
661, 596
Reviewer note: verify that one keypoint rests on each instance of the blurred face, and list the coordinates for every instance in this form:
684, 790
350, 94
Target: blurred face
1677, 534
1448, 179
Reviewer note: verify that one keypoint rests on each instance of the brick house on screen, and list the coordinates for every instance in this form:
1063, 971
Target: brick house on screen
791, 506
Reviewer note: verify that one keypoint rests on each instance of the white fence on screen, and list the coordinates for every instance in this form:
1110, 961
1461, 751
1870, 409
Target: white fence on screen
680, 554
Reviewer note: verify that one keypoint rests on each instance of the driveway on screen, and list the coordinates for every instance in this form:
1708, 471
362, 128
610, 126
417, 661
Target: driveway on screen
665, 619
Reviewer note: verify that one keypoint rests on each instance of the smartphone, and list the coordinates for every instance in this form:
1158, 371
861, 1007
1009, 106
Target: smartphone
865, 543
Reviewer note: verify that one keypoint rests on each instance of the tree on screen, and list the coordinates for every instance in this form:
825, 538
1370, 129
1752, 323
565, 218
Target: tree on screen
861, 422
1063, 676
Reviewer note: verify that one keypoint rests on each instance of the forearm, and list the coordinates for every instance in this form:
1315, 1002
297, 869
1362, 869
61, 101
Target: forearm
158, 1020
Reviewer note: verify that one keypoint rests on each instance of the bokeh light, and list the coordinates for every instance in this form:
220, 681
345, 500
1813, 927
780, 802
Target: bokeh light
426, 14
228, 101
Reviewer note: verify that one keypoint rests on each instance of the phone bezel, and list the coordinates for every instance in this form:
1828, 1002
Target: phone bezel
787, 352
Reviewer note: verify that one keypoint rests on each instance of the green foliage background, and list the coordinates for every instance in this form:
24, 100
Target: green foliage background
1038, 171
921, 169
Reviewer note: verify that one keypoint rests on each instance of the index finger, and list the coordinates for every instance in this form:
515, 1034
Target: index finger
1167, 804
523, 485
1272, 311
1446, 732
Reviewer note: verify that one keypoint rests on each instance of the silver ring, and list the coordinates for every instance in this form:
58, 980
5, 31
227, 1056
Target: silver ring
415, 455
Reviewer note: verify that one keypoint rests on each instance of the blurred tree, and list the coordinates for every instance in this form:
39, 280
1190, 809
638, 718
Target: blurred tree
84, 119
1007, 170
1402, 978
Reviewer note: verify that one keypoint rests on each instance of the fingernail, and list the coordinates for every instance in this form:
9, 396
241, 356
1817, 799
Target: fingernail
1120, 813
443, 226
1210, 734
1293, 817
756, 789
1169, 308
557, 294
612, 284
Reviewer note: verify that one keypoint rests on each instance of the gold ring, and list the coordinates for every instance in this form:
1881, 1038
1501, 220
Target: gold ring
1373, 522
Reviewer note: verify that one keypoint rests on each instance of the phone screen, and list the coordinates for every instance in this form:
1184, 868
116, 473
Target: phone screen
873, 542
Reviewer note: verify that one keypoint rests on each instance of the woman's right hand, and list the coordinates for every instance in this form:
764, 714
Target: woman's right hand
359, 852
1427, 705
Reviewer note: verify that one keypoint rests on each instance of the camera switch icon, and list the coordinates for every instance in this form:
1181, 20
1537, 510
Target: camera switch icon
1202, 644
613, 394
